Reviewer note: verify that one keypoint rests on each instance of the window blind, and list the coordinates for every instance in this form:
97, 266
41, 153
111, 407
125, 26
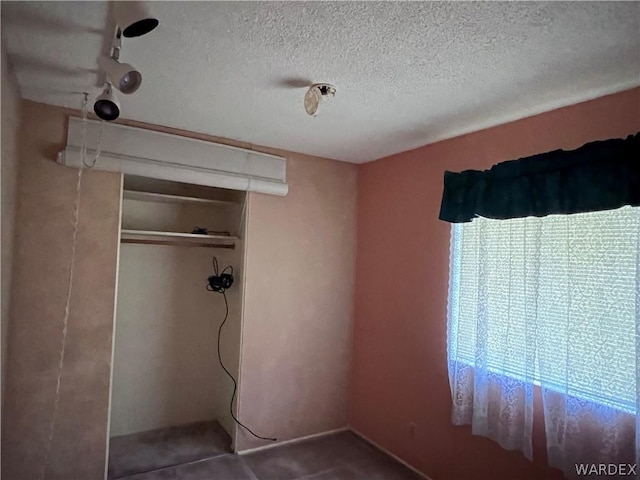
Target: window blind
559, 295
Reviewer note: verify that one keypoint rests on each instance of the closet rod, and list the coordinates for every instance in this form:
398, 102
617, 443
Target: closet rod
178, 244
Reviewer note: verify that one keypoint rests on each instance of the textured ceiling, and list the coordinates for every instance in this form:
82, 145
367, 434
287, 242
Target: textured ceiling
407, 73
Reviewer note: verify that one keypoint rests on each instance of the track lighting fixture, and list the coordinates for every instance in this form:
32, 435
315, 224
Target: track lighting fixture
123, 76
134, 18
107, 106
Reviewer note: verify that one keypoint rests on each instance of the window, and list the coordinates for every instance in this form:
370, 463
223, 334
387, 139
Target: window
552, 299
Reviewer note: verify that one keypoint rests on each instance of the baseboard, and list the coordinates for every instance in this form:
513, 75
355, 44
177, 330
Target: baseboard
331, 432
294, 440
367, 439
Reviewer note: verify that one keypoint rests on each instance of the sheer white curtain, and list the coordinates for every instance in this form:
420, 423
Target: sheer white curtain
552, 301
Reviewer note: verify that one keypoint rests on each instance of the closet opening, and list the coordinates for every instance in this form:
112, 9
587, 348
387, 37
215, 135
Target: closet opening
170, 399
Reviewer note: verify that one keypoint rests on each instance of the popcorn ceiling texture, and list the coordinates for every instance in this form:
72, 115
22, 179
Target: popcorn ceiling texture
407, 73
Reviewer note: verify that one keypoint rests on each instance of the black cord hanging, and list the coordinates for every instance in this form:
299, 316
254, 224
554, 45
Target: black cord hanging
219, 283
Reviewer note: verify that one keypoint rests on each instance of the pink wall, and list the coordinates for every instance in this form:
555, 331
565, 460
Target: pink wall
298, 312
399, 361
299, 304
76, 442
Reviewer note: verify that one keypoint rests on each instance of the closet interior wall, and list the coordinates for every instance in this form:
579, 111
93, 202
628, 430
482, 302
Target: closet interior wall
166, 370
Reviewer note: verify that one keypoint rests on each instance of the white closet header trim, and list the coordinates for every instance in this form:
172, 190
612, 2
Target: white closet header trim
137, 151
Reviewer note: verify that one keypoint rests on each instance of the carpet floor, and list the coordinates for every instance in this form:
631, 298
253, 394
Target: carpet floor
202, 453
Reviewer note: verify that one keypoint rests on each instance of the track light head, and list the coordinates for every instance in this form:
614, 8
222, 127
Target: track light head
134, 18
107, 106
122, 75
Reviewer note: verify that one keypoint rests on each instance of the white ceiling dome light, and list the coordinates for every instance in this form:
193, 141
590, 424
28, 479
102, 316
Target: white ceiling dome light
134, 18
316, 93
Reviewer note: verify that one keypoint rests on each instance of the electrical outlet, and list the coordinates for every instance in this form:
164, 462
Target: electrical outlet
412, 429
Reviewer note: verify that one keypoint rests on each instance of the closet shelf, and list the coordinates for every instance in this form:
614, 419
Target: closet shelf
166, 198
177, 239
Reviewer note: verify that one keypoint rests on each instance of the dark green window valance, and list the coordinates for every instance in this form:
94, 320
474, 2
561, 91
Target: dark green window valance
601, 175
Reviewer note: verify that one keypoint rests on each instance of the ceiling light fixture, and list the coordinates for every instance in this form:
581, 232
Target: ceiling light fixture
107, 106
316, 93
123, 76
134, 18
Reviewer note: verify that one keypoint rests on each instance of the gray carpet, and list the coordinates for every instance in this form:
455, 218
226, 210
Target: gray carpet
166, 447
340, 456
